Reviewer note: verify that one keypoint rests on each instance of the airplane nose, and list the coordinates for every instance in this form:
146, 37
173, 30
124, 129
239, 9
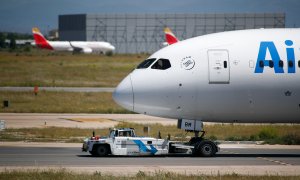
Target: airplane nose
123, 94
112, 48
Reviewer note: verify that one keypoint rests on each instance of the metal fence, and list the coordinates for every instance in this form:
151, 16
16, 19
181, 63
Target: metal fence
143, 33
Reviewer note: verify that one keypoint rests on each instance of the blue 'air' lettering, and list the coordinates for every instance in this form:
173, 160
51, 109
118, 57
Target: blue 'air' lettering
275, 58
290, 57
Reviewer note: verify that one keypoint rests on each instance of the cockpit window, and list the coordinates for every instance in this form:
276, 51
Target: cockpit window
161, 64
145, 64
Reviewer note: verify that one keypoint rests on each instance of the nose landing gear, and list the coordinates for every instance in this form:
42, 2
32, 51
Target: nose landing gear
202, 147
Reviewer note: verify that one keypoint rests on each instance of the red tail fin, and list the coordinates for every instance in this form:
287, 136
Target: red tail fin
170, 37
40, 40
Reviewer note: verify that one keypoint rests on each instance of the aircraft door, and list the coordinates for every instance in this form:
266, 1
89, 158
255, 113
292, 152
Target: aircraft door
218, 67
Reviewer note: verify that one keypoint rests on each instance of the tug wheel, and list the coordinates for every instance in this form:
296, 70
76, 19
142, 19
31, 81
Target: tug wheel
100, 150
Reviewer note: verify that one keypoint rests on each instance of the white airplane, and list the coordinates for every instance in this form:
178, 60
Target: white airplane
246, 76
85, 47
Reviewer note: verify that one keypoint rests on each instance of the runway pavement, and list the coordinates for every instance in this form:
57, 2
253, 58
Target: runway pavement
231, 159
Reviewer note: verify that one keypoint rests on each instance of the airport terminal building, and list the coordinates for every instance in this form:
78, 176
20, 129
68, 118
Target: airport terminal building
143, 33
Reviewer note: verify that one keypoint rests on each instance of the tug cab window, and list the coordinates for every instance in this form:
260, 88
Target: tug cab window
145, 64
161, 64
126, 134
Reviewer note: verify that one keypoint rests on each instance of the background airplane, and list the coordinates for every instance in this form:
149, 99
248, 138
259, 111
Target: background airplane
86, 47
170, 37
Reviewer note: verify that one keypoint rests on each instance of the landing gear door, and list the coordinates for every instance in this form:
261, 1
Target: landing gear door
218, 67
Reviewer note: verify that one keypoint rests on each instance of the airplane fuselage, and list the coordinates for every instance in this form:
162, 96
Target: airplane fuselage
247, 76
82, 46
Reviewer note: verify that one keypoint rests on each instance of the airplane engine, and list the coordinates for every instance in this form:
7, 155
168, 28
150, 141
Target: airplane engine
87, 51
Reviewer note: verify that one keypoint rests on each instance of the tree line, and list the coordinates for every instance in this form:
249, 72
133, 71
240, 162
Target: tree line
12, 38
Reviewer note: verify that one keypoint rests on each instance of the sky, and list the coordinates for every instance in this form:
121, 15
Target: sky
22, 15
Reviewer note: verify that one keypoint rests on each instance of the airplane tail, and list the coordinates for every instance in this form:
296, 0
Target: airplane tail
170, 37
40, 40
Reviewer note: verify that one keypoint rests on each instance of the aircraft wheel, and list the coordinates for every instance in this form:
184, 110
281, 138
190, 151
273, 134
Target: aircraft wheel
205, 149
